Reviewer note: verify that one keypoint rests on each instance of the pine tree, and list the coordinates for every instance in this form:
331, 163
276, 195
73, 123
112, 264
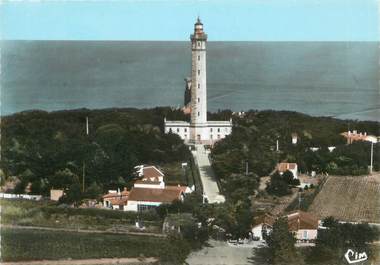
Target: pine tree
281, 244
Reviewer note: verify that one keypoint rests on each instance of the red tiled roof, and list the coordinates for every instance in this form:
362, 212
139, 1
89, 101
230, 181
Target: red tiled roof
118, 201
155, 195
301, 220
282, 167
123, 193
181, 188
152, 172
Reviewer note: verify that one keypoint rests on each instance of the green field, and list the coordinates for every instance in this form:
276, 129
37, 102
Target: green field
47, 214
24, 244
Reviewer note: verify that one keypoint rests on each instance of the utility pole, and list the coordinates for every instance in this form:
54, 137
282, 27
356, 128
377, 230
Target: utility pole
299, 200
84, 163
371, 167
277, 146
87, 128
246, 167
83, 174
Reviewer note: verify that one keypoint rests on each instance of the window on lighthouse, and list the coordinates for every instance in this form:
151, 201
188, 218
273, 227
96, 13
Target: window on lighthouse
199, 44
199, 113
199, 72
199, 86
198, 100
199, 58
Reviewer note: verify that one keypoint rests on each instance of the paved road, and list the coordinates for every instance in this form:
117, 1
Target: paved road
220, 253
210, 187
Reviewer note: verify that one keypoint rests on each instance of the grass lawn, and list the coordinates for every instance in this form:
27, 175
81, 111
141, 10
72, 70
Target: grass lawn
174, 174
23, 244
47, 214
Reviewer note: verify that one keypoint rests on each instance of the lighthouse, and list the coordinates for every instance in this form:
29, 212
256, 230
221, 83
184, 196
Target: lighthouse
199, 130
198, 76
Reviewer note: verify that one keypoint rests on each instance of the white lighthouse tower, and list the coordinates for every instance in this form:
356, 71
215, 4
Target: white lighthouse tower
198, 76
199, 130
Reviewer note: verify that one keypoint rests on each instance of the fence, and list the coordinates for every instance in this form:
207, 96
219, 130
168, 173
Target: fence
20, 196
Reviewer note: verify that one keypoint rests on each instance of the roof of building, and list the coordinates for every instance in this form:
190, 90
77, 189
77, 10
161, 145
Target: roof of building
282, 167
151, 172
221, 123
124, 193
155, 195
181, 188
178, 123
118, 201
301, 220
198, 21
355, 136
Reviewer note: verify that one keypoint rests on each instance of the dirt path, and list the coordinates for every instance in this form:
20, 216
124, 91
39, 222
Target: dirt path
279, 209
108, 261
82, 230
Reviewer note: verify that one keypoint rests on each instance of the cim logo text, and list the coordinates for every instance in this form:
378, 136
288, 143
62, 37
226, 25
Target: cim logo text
355, 257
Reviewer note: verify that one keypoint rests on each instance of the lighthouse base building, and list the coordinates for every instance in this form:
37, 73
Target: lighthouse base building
209, 133
199, 130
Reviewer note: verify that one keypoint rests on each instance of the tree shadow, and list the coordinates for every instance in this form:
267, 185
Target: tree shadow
260, 256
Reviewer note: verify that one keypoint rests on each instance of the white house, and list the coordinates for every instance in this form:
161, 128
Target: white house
141, 199
116, 200
292, 167
262, 225
148, 192
303, 225
294, 138
354, 135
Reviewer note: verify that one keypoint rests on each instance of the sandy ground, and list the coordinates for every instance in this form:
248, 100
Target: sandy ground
120, 261
220, 253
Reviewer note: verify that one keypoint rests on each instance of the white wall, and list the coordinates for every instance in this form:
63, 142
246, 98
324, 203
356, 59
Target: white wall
151, 186
311, 234
257, 231
132, 205
20, 196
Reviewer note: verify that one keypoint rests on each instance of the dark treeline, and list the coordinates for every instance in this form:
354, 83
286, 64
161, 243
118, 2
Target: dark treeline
50, 150
253, 141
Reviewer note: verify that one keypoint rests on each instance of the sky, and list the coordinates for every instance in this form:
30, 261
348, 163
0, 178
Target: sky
224, 20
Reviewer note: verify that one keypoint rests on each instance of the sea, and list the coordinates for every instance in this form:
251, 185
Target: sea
337, 79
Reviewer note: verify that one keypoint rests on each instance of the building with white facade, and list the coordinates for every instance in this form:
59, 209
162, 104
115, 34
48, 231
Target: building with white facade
149, 191
292, 167
198, 130
354, 135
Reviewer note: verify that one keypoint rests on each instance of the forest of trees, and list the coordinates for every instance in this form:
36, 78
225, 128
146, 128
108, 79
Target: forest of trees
51, 150
253, 141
